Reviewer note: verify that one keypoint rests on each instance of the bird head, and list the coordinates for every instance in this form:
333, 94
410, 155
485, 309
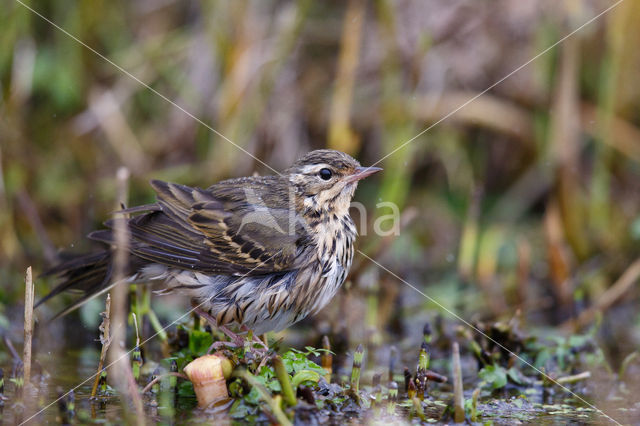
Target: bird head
326, 179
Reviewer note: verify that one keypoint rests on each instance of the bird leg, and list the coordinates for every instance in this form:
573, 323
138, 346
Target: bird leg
237, 341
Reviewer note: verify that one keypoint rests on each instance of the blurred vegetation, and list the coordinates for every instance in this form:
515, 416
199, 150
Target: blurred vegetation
526, 200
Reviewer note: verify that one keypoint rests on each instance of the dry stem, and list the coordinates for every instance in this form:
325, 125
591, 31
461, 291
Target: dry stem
120, 371
458, 396
28, 325
105, 340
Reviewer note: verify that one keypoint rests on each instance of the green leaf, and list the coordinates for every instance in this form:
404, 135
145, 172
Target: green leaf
185, 389
240, 410
516, 376
295, 361
199, 342
253, 397
494, 375
274, 385
542, 357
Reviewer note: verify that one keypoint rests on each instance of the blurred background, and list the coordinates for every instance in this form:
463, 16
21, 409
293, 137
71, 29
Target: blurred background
523, 202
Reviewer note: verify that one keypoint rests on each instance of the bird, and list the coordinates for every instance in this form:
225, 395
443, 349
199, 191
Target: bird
258, 253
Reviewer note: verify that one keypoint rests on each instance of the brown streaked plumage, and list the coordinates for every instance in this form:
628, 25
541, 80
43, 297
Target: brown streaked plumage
261, 252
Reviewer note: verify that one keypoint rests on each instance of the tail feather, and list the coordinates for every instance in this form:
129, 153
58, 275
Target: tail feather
88, 274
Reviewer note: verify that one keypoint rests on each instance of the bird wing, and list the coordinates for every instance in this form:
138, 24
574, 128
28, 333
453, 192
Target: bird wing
230, 228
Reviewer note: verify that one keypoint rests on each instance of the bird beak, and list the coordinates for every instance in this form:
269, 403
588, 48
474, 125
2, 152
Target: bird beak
361, 173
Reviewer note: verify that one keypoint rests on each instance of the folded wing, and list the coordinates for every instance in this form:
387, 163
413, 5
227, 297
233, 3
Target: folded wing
229, 228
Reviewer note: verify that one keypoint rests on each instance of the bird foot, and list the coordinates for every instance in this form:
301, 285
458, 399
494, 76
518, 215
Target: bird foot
237, 340
215, 346
240, 341
249, 346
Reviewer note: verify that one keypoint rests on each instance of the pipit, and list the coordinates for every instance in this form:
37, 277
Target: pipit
260, 253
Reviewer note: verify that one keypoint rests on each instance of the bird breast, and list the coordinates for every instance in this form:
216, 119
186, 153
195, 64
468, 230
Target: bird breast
335, 237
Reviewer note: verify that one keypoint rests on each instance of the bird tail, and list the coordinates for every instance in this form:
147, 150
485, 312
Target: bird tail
89, 274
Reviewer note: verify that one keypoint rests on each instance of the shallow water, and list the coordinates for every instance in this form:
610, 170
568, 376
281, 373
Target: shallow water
68, 354
57, 380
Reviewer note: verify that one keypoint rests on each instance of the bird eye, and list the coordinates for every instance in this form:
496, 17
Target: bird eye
325, 174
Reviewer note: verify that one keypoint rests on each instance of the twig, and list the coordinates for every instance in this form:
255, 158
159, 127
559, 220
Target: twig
28, 324
568, 379
160, 377
575, 378
435, 377
105, 340
120, 370
458, 396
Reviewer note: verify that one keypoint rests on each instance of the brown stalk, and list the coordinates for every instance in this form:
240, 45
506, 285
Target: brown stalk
28, 325
435, 377
105, 340
458, 396
568, 379
120, 366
